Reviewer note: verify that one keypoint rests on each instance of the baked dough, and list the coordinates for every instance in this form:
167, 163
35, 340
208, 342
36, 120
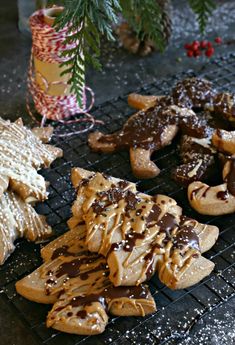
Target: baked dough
22, 153
140, 234
147, 131
19, 219
76, 281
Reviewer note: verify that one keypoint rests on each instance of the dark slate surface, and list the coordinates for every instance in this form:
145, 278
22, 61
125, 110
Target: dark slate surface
122, 73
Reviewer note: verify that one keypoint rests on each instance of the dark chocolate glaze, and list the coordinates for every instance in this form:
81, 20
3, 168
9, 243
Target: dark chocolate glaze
142, 130
115, 247
72, 268
85, 275
193, 93
108, 294
186, 236
62, 251
145, 129
82, 314
153, 216
167, 223
113, 196
222, 195
185, 173
130, 241
149, 260
50, 281
224, 105
128, 244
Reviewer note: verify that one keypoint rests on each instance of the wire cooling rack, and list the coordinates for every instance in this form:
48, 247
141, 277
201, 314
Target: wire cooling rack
178, 311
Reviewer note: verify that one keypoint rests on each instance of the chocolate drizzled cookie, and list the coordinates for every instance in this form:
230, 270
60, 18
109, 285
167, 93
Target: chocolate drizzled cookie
155, 126
140, 234
193, 93
147, 131
198, 157
223, 104
76, 282
219, 199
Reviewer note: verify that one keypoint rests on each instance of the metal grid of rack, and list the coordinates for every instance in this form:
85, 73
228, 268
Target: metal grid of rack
177, 311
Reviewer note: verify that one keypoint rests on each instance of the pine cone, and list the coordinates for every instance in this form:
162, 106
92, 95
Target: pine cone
131, 42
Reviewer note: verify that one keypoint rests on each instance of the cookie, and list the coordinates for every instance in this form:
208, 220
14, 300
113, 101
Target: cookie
198, 158
140, 234
223, 104
76, 282
215, 200
145, 132
188, 93
224, 141
22, 153
193, 93
19, 219
141, 102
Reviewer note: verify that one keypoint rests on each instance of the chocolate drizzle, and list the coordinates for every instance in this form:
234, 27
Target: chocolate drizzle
224, 104
128, 244
186, 236
149, 260
153, 216
113, 196
82, 314
167, 223
130, 241
111, 293
62, 251
222, 195
145, 129
193, 93
72, 268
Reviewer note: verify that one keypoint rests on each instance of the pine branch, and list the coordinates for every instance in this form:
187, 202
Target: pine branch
87, 20
145, 18
203, 10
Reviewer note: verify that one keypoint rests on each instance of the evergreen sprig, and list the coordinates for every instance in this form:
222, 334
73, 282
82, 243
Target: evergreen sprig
203, 9
89, 19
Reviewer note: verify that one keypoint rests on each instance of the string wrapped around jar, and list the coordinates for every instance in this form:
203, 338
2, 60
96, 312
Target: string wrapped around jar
50, 90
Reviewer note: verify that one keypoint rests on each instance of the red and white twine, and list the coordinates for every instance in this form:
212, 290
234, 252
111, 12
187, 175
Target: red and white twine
47, 46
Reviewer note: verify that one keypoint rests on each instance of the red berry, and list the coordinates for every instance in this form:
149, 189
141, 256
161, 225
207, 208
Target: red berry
195, 45
218, 40
209, 45
197, 53
203, 44
190, 53
187, 46
209, 52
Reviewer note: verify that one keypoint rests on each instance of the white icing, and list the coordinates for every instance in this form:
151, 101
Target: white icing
21, 155
18, 219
